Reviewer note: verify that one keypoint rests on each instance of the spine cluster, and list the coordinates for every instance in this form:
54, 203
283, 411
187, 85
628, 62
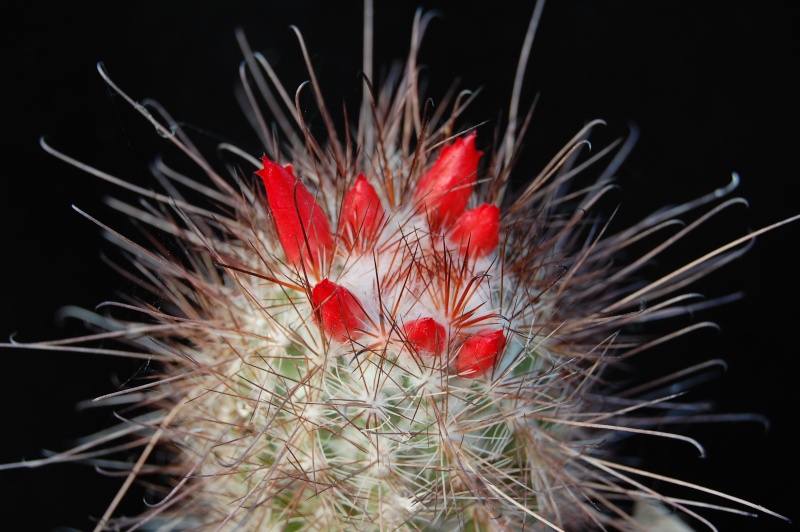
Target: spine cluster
375, 335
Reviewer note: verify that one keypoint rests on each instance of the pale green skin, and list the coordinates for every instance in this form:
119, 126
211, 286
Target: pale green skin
365, 434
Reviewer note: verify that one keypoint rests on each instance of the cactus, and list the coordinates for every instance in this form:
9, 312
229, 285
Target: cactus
387, 336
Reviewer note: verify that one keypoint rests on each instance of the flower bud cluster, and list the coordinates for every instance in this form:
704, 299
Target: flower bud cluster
444, 231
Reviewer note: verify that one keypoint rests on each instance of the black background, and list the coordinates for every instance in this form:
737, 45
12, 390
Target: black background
711, 89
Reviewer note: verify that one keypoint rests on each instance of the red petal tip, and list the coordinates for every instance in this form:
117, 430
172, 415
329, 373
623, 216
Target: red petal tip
362, 214
479, 353
425, 336
445, 188
477, 231
341, 313
297, 216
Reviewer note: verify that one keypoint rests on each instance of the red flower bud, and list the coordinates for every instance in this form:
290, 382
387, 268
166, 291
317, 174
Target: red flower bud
445, 188
479, 353
362, 214
425, 336
297, 216
341, 313
477, 231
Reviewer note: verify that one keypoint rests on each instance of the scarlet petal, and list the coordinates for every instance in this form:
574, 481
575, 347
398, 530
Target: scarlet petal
477, 231
426, 336
341, 314
297, 216
362, 214
479, 353
445, 188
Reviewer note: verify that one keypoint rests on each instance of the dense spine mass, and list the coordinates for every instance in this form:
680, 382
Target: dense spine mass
365, 331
